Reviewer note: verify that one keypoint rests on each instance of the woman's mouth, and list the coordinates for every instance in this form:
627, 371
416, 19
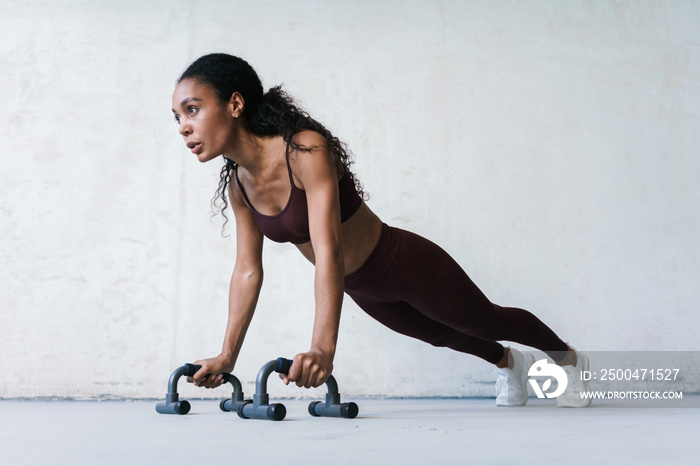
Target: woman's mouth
195, 148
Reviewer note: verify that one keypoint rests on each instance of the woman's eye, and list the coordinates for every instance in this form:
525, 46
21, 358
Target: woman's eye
177, 119
192, 110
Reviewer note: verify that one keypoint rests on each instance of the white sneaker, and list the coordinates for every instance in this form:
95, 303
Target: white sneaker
511, 384
571, 398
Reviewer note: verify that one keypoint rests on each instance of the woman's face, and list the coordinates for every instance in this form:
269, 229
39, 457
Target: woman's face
204, 122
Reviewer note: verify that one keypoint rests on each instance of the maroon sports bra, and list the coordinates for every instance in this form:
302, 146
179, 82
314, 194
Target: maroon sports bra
292, 224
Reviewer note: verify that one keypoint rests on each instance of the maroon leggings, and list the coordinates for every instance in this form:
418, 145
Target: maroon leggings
414, 287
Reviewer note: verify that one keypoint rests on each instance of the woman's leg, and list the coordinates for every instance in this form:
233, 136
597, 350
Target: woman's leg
415, 288
408, 273
406, 320
439, 288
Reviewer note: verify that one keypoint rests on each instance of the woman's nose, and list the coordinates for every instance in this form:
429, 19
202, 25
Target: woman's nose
184, 129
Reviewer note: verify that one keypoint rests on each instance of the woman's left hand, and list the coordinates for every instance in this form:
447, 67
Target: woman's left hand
310, 369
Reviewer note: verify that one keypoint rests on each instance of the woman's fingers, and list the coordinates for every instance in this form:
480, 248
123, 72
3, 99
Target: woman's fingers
207, 381
212, 381
211, 373
199, 376
308, 370
296, 370
202, 378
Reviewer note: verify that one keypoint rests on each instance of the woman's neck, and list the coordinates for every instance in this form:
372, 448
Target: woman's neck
254, 153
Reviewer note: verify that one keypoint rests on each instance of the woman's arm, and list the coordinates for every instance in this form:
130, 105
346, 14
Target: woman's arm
316, 170
244, 291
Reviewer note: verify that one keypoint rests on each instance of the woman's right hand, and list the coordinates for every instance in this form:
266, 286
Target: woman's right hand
211, 373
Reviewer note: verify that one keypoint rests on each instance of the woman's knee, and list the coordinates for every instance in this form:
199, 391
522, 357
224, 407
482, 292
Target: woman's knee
488, 324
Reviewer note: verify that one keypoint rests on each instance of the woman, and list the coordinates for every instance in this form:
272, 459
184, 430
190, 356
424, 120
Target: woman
287, 177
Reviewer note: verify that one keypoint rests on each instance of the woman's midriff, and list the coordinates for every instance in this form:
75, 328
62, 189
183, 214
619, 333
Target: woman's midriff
360, 234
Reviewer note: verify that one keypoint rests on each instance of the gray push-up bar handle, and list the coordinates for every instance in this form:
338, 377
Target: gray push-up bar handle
173, 404
260, 408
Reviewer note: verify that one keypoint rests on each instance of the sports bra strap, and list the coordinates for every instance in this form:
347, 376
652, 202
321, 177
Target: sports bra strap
240, 185
289, 168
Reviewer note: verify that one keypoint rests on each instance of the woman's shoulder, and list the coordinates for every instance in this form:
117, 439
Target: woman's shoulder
310, 157
309, 139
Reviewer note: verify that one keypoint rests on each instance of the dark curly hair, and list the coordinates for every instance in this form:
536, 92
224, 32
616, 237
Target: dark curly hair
273, 113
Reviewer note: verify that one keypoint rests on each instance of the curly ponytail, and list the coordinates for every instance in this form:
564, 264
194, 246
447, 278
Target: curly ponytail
271, 114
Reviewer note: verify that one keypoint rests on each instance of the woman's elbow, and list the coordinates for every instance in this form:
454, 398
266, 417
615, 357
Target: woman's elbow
248, 274
330, 254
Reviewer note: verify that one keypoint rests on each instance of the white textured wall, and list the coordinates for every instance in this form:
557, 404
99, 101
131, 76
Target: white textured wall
551, 146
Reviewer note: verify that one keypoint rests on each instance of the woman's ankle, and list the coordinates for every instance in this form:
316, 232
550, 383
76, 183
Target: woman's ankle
569, 359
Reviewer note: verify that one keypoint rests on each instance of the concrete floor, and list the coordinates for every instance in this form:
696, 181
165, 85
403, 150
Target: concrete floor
387, 432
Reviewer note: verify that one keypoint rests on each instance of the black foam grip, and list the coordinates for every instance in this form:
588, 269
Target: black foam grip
284, 366
191, 369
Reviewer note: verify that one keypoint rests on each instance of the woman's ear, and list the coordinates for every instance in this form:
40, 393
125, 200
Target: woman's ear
236, 104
